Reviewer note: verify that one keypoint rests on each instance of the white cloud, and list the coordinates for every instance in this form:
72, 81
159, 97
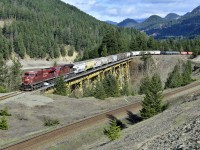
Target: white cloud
118, 10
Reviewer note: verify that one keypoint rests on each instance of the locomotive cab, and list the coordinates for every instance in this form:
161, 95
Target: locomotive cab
28, 79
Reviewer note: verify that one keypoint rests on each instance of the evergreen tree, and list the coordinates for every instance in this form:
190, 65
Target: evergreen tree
175, 79
15, 74
104, 51
156, 81
114, 131
3, 123
60, 88
111, 86
152, 103
63, 51
144, 85
187, 71
125, 89
3, 74
99, 91
134, 45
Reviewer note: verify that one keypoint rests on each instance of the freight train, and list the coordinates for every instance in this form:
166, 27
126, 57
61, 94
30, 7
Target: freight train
39, 78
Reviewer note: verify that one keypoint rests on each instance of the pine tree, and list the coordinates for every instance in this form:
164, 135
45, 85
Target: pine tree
14, 79
3, 123
111, 86
175, 79
152, 103
187, 71
60, 87
104, 51
144, 85
99, 91
114, 131
125, 89
3, 75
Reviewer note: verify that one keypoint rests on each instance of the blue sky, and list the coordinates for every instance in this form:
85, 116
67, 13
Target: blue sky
118, 10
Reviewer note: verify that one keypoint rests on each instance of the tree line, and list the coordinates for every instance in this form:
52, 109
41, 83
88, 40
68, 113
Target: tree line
42, 29
10, 76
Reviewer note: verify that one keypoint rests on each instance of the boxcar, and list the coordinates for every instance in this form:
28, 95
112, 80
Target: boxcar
97, 62
79, 67
104, 60
183, 53
63, 70
89, 64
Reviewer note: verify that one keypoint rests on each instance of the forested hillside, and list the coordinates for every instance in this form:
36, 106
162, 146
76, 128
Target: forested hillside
42, 28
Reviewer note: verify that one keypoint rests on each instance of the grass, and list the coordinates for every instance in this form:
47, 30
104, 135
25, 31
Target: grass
82, 139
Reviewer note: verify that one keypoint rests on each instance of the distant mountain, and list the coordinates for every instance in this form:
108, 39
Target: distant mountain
172, 16
127, 23
186, 26
152, 22
140, 20
172, 25
111, 22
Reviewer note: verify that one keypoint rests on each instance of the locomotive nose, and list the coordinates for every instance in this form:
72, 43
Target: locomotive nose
26, 79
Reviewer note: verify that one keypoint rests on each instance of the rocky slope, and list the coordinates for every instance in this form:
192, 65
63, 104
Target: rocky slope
175, 128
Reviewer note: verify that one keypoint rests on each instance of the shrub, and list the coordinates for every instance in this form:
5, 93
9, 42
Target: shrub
2, 89
60, 88
71, 51
99, 91
50, 122
114, 131
3, 123
5, 112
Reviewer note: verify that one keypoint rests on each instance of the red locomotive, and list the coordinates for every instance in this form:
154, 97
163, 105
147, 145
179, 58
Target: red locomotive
38, 78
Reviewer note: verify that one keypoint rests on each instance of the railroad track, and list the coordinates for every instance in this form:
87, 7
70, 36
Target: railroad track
10, 95
52, 136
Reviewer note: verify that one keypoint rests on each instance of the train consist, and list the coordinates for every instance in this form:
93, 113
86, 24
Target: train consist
39, 78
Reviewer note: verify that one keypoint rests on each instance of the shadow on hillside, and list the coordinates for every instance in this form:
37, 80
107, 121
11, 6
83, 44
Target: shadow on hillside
119, 122
133, 118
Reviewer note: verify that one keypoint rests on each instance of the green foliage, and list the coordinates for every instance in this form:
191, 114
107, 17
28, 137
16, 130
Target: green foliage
187, 72
2, 89
60, 88
114, 131
14, 78
88, 91
71, 51
3, 123
144, 85
99, 91
156, 81
152, 103
10, 77
104, 51
175, 79
126, 89
108, 87
50, 122
111, 86
55, 63
5, 112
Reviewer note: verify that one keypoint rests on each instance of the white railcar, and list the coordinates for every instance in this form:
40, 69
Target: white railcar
79, 67
110, 59
135, 53
104, 60
97, 63
114, 58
